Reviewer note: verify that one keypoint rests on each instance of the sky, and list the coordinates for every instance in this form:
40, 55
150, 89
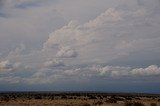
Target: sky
80, 45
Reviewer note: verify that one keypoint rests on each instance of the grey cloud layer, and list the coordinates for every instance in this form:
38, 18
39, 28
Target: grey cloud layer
77, 50
86, 73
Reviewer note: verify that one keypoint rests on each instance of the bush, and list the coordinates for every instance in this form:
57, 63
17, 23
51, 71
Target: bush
128, 104
153, 104
5, 98
64, 97
38, 97
98, 103
92, 97
101, 97
138, 104
86, 104
119, 99
128, 98
134, 104
111, 100
51, 97
137, 98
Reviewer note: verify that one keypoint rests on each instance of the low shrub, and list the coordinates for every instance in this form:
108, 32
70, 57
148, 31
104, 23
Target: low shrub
38, 97
153, 104
86, 104
111, 100
5, 98
128, 98
64, 97
98, 103
128, 104
138, 104
92, 97
137, 98
119, 99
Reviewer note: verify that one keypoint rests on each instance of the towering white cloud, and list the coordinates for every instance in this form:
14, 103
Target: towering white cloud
112, 34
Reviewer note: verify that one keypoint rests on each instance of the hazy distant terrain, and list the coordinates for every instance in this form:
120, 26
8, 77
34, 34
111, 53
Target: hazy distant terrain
78, 99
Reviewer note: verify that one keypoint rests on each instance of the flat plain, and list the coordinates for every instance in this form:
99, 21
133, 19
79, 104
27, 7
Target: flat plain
78, 99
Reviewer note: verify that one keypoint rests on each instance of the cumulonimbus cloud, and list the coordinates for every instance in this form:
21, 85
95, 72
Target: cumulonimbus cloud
112, 34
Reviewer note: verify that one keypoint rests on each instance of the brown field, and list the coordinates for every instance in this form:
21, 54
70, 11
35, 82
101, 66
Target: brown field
77, 99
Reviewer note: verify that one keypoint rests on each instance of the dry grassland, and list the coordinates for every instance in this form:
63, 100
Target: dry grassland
77, 99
